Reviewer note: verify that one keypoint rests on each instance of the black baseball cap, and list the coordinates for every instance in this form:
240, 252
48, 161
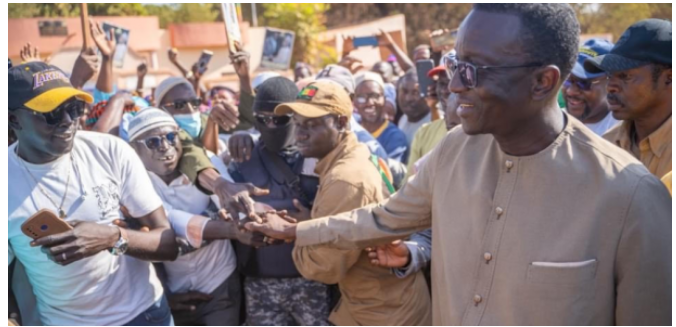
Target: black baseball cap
41, 87
646, 42
273, 92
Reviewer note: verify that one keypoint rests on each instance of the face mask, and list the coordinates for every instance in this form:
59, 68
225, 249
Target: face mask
276, 139
191, 123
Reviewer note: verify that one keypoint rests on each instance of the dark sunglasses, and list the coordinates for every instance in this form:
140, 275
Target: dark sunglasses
74, 108
582, 84
154, 142
276, 120
468, 72
183, 104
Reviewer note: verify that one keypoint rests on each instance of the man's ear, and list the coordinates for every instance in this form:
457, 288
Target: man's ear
545, 80
14, 121
343, 123
668, 74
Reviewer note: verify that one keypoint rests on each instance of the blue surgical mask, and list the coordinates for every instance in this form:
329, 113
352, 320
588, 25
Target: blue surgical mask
191, 123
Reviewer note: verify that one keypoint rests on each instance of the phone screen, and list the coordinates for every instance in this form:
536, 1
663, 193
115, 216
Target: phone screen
204, 61
423, 67
365, 41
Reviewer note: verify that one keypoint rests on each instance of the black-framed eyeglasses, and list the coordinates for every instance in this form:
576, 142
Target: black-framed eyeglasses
183, 104
277, 120
74, 108
468, 71
155, 142
582, 84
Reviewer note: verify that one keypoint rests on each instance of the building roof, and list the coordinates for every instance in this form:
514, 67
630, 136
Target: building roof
201, 35
143, 36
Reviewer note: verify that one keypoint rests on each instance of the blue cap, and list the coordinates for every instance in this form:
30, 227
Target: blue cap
590, 49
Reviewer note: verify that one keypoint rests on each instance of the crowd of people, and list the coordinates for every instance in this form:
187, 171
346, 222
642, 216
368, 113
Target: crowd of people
318, 200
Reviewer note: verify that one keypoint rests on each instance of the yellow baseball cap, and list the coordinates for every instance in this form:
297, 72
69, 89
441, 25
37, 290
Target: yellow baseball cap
319, 99
41, 87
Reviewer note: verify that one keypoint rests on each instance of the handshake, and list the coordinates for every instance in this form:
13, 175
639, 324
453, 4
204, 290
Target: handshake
274, 226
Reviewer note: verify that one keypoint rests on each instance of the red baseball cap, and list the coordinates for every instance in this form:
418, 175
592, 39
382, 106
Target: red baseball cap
436, 71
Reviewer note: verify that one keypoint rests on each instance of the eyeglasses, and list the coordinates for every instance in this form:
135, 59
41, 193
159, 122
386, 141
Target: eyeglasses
276, 120
468, 71
183, 104
74, 108
155, 142
582, 84
373, 96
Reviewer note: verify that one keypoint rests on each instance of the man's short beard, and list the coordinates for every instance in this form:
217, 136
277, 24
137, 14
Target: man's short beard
586, 113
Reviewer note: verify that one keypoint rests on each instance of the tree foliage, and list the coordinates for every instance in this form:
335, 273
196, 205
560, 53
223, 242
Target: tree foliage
307, 20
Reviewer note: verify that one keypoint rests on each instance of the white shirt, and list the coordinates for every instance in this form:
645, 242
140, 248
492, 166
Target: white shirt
102, 289
603, 125
410, 128
208, 267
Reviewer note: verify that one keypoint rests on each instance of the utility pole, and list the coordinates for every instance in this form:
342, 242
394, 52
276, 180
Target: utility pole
254, 15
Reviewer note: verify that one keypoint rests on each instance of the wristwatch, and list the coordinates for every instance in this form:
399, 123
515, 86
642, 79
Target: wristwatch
121, 245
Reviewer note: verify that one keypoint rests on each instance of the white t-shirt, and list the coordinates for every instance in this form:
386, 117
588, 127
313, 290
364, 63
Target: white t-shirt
208, 267
102, 289
410, 128
603, 125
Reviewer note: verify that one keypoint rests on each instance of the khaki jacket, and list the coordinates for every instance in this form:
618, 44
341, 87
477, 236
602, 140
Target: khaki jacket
654, 151
370, 295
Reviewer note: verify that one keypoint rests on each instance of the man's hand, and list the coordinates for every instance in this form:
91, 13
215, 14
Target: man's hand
173, 55
105, 44
142, 70
302, 214
436, 47
84, 240
29, 53
393, 255
196, 74
348, 45
384, 39
240, 61
225, 115
351, 63
236, 198
86, 65
248, 237
187, 301
279, 227
240, 146
123, 96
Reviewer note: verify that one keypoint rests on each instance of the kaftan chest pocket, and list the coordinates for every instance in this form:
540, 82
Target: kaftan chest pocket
564, 273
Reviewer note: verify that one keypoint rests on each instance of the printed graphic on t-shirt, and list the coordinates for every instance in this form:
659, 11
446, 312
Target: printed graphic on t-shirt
108, 198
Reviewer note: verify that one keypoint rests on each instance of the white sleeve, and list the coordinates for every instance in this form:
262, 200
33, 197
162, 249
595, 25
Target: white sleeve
137, 192
188, 226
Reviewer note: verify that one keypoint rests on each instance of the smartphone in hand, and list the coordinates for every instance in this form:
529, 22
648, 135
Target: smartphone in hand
44, 223
365, 41
203, 62
423, 67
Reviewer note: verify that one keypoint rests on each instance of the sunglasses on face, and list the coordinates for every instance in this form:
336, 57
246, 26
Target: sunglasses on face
183, 104
582, 84
363, 99
276, 120
155, 142
468, 71
75, 109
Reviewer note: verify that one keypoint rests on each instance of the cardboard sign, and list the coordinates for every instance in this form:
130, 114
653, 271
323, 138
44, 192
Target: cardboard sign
122, 42
277, 49
231, 20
